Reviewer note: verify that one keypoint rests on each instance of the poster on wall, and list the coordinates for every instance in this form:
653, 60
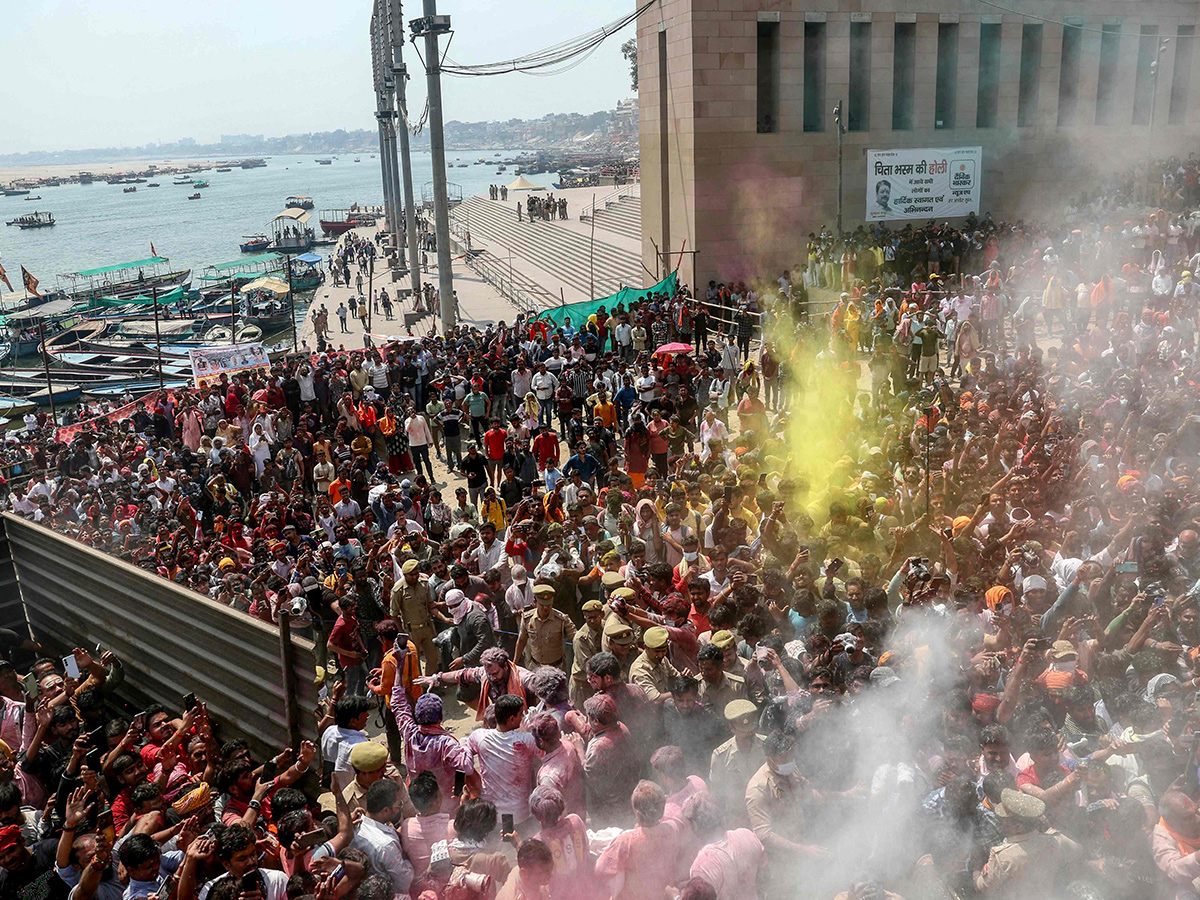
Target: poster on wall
923, 183
210, 363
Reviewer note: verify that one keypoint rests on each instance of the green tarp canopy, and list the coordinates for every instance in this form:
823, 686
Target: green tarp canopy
117, 267
244, 261
579, 312
172, 296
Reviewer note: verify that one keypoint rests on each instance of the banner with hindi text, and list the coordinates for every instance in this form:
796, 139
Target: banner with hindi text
923, 183
210, 363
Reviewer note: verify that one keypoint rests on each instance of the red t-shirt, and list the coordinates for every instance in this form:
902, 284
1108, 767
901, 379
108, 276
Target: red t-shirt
345, 634
493, 442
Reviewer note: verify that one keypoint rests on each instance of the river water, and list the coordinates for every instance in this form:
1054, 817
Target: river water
99, 224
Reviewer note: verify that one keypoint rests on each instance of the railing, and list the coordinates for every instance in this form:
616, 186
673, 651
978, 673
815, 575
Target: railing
626, 190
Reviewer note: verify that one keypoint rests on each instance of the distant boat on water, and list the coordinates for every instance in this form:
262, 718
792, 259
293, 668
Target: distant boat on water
224, 169
298, 202
130, 190
182, 179
14, 192
195, 196
153, 184
255, 243
200, 184
33, 220
38, 197
324, 162
253, 163
86, 177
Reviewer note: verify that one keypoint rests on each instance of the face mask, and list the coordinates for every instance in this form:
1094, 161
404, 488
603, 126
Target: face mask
1063, 665
785, 769
690, 557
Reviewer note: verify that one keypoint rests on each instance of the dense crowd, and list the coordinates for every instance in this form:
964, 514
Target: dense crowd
748, 597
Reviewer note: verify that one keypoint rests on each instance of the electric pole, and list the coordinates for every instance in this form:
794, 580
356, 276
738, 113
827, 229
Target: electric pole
430, 26
399, 85
837, 118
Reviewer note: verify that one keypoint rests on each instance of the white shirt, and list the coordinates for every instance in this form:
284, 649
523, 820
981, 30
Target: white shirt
419, 434
519, 597
507, 763
544, 385
381, 843
336, 744
274, 879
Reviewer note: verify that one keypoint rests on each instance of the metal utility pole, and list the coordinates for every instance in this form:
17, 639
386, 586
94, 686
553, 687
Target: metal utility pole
399, 86
1154, 67
157, 336
46, 366
383, 114
287, 262
430, 27
837, 118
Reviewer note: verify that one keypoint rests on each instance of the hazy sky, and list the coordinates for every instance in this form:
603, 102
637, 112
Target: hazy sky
106, 73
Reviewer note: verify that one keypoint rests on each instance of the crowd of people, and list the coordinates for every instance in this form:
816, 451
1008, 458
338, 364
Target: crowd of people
747, 597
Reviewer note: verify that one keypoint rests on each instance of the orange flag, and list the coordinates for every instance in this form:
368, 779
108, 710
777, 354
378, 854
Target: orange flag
4, 278
31, 283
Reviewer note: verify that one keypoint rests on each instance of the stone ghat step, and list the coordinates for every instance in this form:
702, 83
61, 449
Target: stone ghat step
560, 252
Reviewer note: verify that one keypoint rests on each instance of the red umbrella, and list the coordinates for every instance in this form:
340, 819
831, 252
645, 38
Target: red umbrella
674, 348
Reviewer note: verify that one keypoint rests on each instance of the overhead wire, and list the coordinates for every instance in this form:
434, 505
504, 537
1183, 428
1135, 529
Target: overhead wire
552, 60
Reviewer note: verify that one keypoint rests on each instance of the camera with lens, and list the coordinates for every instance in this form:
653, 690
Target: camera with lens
918, 570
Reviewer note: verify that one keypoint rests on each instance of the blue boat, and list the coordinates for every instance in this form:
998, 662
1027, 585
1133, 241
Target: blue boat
255, 243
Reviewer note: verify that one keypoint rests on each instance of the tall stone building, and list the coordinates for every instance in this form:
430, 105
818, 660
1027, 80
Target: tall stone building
739, 148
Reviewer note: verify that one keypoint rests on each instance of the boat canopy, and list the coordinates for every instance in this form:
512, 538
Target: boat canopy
300, 215
117, 267
272, 285
242, 262
168, 297
311, 258
41, 311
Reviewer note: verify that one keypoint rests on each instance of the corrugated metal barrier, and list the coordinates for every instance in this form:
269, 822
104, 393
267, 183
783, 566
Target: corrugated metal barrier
12, 611
171, 640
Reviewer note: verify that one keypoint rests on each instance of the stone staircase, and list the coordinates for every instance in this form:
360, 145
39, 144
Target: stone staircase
558, 251
623, 216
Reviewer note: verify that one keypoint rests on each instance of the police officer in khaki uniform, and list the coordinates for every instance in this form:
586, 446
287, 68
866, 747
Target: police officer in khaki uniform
412, 606
616, 600
652, 671
1029, 861
587, 645
620, 640
718, 688
735, 761
544, 632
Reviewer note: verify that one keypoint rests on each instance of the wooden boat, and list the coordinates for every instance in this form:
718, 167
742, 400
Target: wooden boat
182, 179
11, 407
199, 184
14, 192
130, 190
153, 184
33, 220
299, 203
254, 163
125, 280
137, 386
224, 169
195, 196
38, 197
339, 221
324, 162
255, 243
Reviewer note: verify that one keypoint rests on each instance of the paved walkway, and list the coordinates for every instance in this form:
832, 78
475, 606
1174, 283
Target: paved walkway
479, 304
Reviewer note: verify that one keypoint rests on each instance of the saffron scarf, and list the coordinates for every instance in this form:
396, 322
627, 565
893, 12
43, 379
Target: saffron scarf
514, 687
1185, 845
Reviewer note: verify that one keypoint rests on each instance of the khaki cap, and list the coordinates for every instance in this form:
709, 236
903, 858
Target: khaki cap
655, 638
735, 709
410, 565
612, 579
593, 606
724, 639
618, 632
